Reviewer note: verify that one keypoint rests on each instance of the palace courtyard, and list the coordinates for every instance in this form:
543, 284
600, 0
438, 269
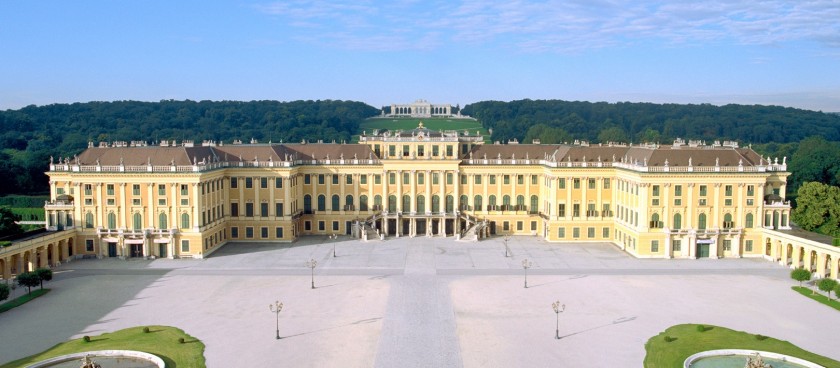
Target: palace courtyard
419, 302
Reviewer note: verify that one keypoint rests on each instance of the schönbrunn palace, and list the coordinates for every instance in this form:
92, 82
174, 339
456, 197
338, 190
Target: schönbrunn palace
185, 200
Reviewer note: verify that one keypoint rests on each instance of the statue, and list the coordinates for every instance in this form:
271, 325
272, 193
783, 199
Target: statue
756, 361
89, 363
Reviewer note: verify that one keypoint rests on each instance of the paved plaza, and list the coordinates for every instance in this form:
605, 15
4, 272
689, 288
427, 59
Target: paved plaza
419, 302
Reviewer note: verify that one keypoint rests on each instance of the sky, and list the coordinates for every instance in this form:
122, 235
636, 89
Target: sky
457, 51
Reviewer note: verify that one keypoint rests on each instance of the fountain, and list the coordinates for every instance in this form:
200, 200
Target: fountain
104, 359
735, 358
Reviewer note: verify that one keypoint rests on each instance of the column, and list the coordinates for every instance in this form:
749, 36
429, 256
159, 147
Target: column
287, 188
569, 204
196, 202
150, 204
123, 215
471, 190
552, 183
342, 182
399, 195
385, 191
356, 195
484, 193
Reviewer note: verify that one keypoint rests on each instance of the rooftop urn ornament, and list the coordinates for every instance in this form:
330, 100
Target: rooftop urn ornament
666, 162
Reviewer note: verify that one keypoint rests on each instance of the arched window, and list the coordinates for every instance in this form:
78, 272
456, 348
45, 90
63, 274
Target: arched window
421, 204
535, 203
406, 203
654, 221
677, 221
506, 200
348, 200
112, 220
477, 203
435, 203
749, 221
464, 202
363, 203
491, 201
450, 203
137, 221
727, 221
322, 203
89, 220
307, 204
520, 200
163, 224
392, 203
335, 205
185, 220
701, 221
377, 201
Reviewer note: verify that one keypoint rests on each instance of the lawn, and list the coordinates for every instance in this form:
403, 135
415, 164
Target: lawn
687, 340
432, 123
162, 341
29, 213
819, 296
23, 299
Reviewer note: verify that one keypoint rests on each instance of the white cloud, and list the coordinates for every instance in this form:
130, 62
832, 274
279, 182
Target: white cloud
553, 25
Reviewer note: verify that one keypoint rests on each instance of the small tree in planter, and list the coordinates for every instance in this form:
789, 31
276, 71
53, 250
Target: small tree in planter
44, 274
28, 279
827, 285
800, 274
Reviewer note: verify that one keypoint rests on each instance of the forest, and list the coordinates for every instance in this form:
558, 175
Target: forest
30, 135
34, 133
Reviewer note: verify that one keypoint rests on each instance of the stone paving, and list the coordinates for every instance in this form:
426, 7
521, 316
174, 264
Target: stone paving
419, 302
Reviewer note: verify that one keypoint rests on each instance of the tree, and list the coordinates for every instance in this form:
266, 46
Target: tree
837, 290
44, 274
816, 208
613, 134
28, 279
7, 223
827, 285
4, 291
800, 274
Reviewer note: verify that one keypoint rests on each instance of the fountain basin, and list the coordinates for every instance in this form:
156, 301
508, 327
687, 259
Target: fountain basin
736, 358
107, 358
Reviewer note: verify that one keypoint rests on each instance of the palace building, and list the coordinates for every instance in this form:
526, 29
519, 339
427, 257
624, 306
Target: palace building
185, 200
421, 109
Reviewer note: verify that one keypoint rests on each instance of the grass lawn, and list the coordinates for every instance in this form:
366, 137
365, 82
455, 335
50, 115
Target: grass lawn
29, 213
819, 296
432, 123
23, 299
690, 341
161, 341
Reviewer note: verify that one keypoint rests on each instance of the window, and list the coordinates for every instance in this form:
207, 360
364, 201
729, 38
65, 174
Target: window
89, 220
88, 189
112, 220
701, 221
519, 226
264, 209
654, 221
561, 232
477, 203
605, 233
576, 183
88, 201
677, 245
606, 183
421, 204
263, 182
135, 201
449, 178
109, 189
561, 211
185, 245
750, 190
321, 179
727, 202
727, 221
748, 223
677, 221
335, 203
249, 232
748, 246
678, 202
137, 221
590, 232
278, 183
576, 210
421, 179
264, 232
322, 225
348, 179
363, 203
392, 150
278, 209
377, 179
307, 179
234, 232
702, 190
89, 245
677, 190
234, 209
162, 221
392, 178
654, 246
307, 225
185, 220
335, 179
492, 179
506, 226
405, 150
435, 150
533, 226
702, 202
135, 189
727, 190
392, 203
421, 151
463, 179
363, 179
655, 191
520, 179
561, 183
406, 203
249, 210
654, 202
278, 232
576, 232
534, 179
435, 203
322, 202
335, 225
727, 245
591, 183
449, 150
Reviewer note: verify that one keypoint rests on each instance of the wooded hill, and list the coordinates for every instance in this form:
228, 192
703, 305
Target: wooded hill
29, 136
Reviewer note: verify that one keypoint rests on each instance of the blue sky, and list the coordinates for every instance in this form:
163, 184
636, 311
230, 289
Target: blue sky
383, 52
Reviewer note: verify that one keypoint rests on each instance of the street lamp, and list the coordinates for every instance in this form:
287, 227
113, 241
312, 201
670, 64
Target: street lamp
311, 263
506, 238
332, 238
526, 264
558, 308
276, 308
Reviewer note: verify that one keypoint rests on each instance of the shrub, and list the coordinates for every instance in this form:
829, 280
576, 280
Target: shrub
800, 274
701, 328
86, 338
181, 340
4, 291
760, 337
827, 285
669, 338
146, 330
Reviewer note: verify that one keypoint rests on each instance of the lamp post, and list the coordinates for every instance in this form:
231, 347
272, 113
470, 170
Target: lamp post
558, 308
506, 238
332, 238
276, 308
311, 263
526, 264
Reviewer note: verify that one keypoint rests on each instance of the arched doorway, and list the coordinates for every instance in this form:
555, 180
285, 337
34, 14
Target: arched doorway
27, 262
